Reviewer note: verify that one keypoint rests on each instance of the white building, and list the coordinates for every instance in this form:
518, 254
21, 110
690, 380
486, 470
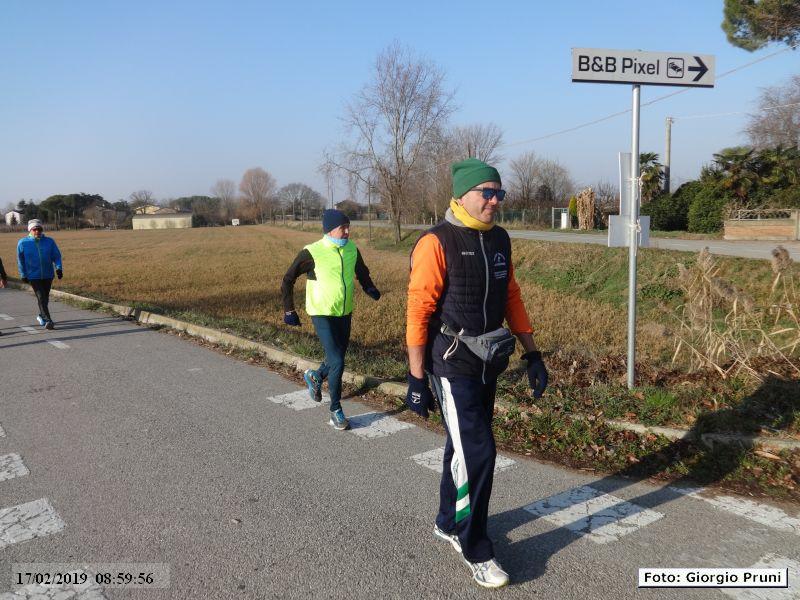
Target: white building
163, 218
14, 216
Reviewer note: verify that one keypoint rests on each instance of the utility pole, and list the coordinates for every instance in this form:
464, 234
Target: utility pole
668, 153
369, 207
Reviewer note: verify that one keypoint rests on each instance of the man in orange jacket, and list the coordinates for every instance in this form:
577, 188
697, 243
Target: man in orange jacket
462, 288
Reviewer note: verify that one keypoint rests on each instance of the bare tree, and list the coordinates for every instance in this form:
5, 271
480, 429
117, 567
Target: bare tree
328, 171
431, 177
258, 190
390, 121
479, 141
606, 201
300, 199
778, 121
524, 179
225, 190
556, 177
140, 198
539, 183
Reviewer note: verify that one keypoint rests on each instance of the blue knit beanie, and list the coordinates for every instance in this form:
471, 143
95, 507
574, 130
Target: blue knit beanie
332, 218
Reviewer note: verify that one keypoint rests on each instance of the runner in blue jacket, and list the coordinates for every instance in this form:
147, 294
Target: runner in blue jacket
38, 261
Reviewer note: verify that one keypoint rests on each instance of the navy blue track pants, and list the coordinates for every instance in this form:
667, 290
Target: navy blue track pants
467, 408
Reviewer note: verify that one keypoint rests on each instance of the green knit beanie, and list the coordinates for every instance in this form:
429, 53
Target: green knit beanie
469, 173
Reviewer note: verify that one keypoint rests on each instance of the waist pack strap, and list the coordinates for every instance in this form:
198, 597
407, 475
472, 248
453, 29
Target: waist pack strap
447, 330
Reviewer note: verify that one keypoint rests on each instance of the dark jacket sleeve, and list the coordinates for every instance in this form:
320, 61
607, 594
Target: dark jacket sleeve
2, 270
362, 272
304, 263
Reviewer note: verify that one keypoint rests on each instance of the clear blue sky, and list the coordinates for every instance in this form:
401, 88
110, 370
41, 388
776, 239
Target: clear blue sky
112, 97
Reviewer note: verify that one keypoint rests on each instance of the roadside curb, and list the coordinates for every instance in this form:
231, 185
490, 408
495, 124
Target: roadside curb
390, 388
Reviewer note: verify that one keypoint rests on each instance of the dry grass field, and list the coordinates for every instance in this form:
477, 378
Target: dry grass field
575, 293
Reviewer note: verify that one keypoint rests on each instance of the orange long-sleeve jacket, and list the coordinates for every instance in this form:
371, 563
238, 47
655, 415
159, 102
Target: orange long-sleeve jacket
425, 287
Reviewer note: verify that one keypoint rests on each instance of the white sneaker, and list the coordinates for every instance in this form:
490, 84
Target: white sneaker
488, 574
447, 537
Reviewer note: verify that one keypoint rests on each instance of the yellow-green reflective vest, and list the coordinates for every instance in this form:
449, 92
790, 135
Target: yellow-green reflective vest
331, 293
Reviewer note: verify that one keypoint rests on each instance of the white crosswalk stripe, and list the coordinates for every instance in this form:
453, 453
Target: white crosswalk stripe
602, 518
432, 459
28, 521
299, 400
29, 329
376, 424
86, 591
58, 344
762, 514
771, 561
11, 466
6, 317
2, 431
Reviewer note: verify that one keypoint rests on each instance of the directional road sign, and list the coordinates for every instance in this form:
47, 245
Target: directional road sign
646, 68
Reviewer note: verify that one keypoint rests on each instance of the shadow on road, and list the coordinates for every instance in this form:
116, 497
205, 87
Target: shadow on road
775, 406
54, 337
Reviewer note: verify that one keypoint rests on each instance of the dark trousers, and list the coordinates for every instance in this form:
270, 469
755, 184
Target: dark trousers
334, 333
468, 470
41, 287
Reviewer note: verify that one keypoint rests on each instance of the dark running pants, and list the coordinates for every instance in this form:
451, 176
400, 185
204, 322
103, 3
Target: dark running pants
334, 333
41, 287
468, 470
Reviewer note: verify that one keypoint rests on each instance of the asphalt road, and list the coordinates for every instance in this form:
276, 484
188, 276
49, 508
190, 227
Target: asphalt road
744, 249
120, 444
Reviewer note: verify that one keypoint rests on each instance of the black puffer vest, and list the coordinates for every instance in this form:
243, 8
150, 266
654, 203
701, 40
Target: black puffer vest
473, 299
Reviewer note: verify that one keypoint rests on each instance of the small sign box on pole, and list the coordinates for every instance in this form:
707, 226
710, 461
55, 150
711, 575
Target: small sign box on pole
619, 233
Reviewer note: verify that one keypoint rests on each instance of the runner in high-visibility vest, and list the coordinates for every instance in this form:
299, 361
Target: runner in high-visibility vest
331, 266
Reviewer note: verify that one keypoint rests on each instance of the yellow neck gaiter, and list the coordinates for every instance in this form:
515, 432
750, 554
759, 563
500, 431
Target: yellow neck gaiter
462, 215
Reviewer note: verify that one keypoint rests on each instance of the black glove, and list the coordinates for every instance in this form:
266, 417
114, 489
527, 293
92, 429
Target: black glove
537, 372
24, 280
59, 273
291, 318
373, 293
419, 397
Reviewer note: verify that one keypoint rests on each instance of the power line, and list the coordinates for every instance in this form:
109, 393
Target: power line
659, 99
725, 114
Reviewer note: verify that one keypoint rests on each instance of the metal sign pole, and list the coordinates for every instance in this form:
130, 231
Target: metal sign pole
634, 237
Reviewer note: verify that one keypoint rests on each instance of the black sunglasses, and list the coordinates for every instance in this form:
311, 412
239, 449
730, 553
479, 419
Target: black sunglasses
489, 193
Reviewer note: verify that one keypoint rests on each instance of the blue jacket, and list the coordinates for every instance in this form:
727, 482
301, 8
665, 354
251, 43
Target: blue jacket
35, 258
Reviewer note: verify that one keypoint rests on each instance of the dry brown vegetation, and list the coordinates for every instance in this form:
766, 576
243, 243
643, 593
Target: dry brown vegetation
744, 335
236, 272
574, 293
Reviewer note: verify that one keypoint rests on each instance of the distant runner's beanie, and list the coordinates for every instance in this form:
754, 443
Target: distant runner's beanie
332, 218
34, 223
469, 173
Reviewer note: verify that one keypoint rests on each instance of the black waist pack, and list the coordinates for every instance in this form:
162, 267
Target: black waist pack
491, 347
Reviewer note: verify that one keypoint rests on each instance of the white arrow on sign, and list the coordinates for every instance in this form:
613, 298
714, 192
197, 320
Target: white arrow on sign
645, 68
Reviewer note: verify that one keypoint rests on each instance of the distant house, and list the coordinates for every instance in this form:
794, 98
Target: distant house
147, 209
97, 215
163, 218
14, 218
